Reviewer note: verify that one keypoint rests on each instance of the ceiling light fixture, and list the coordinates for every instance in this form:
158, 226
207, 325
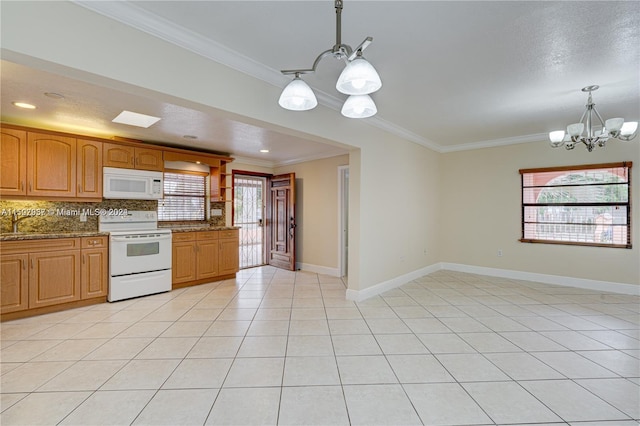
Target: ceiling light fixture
24, 105
358, 79
615, 128
136, 119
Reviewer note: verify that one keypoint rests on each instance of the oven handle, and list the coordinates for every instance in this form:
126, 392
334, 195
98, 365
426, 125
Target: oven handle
146, 239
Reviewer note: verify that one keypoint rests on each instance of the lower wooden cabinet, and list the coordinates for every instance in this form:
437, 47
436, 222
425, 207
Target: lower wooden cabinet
14, 282
203, 256
41, 273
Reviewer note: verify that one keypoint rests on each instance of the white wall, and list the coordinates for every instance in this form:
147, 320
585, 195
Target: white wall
480, 210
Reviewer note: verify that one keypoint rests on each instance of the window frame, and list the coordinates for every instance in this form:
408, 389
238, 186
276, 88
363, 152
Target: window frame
205, 196
628, 203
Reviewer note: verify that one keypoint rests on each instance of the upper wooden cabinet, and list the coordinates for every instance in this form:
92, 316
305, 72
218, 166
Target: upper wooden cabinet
89, 169
51, 165
128, 157
13, 156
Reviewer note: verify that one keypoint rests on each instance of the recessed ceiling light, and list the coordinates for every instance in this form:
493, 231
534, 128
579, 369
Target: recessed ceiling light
135, 119
24, 105
264, 150
190, 137
54, 95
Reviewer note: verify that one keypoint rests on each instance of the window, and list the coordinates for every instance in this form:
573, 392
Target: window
580, 205
184, 196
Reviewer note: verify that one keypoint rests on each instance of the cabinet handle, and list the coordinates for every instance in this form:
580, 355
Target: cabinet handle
83, 256
79, 188
24, 265
30, 187
21, 185
31, 263
132, 160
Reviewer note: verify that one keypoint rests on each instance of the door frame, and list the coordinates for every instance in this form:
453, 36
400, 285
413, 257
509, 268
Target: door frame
266, 235
343, 220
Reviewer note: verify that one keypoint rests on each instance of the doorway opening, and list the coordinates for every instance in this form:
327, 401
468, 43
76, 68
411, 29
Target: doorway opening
248, 214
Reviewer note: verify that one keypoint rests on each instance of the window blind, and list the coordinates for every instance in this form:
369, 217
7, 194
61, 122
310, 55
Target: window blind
184, 197
584, 205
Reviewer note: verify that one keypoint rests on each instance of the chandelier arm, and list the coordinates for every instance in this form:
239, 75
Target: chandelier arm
599, 116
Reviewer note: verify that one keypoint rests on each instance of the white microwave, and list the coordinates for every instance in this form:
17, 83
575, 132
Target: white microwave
131, 184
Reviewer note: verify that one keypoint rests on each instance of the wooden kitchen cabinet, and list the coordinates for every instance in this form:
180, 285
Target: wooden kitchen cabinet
204, 256
13, 158
44, 273
95, 267
229, 254
128, 157
207, 254
183, 257
51, 165
14, 282
89, 169
54, 278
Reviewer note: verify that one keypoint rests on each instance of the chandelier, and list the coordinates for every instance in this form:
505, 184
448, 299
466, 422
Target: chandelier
584, 132
358, 79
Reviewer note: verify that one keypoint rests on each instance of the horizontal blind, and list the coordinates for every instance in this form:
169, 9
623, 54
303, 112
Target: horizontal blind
184, 197
585, 205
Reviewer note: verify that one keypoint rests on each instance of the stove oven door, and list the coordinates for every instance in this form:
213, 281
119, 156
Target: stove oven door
140, 252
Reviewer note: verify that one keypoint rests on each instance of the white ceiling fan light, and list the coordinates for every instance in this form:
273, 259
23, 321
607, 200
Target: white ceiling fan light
298, 96
359, 106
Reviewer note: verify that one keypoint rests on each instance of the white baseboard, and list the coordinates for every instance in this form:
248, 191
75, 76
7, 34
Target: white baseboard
360, 295
324, 270
604, 286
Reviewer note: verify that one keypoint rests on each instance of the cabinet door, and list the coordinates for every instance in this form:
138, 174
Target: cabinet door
54, 277
13, 158
149, 159
229, 262
115, 155
14, 282
89, 169
183, 261
207, 259
94, 273
51, 165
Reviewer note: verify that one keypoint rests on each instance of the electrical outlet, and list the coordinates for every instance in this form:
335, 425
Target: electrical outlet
500, 253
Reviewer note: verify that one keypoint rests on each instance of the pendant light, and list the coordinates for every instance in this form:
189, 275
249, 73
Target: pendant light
359, 79
298, 96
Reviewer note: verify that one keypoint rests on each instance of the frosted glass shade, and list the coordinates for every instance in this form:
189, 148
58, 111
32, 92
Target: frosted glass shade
575, 129
359, 106
556, 138
359, 77
629, 128
614, 124
298, 96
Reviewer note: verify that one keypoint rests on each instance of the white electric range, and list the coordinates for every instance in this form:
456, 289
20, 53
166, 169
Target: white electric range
139, 254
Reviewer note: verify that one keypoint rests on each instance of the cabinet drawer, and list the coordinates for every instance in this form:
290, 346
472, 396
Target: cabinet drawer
94, 242
207, 235
30, 246
183, 236
231, 233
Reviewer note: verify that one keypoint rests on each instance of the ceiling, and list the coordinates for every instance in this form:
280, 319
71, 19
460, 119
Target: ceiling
456, 75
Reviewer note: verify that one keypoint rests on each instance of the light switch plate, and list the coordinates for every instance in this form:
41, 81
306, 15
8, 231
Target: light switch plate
216, 212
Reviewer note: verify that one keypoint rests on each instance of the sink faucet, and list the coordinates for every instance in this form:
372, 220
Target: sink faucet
15, 220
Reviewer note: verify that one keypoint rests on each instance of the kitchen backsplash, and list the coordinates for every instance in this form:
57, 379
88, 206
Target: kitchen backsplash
63, 216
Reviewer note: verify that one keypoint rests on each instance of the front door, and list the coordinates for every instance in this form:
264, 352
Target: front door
283, 221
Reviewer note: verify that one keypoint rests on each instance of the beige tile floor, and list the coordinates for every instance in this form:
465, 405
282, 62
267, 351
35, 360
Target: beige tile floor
277, 347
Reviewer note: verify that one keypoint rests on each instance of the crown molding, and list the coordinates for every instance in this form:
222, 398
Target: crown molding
254, 162
495, 143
